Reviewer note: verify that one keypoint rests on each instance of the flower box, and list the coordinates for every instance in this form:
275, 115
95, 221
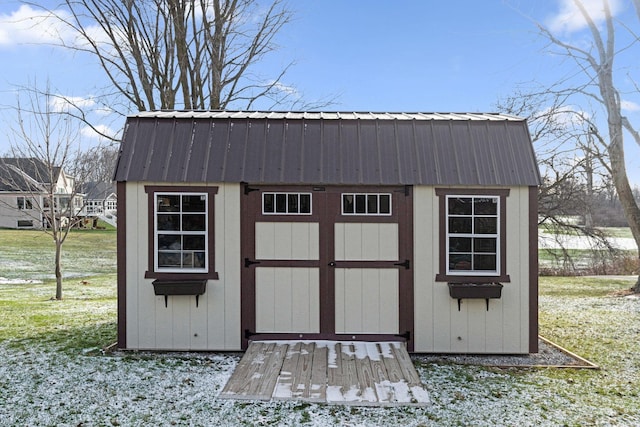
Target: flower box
474, 291
179, 287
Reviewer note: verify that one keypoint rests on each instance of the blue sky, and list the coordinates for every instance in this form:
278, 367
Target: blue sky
415, 56
370, 55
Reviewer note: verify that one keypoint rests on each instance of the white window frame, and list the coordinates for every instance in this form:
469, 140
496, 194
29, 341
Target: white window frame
111, 205
473, 235
204, 233
30, 221
287, 194
27, 203
390, 213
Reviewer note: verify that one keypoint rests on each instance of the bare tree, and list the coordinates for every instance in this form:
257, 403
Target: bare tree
191, 54
574, 170
44, 142
595, 58
96, 164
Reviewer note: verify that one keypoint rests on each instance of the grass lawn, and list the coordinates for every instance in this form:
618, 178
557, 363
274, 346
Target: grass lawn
52, 371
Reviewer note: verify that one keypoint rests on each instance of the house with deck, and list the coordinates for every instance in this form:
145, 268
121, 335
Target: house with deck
27, 188
100, 203
413, 227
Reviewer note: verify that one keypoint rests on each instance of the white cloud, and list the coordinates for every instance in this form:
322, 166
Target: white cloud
629, 106
565, 117
29, 25
103, 111
97, 133
286, 89
570, 19
61, 103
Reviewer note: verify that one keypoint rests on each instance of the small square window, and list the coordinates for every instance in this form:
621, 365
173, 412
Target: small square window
24, 203
366, 204
286, 203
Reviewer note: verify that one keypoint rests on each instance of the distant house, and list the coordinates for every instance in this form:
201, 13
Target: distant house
236, 226
25, 184
100, 201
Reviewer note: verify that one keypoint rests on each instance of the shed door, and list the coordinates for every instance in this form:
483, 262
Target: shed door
327, 263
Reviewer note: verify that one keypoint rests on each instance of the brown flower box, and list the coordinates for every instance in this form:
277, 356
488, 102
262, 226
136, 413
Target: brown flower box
475, 291
179, 287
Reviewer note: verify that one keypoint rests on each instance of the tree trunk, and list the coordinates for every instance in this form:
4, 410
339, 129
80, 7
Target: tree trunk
58, 269
623, 188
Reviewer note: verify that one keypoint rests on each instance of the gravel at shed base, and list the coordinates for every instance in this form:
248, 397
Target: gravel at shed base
549, 355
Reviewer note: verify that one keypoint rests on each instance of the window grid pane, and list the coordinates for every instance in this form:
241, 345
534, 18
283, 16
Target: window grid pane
374, 204
181, 232
472, 229
286, 203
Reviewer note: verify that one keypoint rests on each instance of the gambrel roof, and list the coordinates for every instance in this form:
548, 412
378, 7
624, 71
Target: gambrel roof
327, 148
24, 174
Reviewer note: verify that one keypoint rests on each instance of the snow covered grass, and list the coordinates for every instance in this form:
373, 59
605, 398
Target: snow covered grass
587, 256
28, 254
54, 373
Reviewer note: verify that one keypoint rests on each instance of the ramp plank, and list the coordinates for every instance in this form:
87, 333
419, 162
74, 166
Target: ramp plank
350, 373
240, 376
318, 384
257, 372
284, 384
304, 371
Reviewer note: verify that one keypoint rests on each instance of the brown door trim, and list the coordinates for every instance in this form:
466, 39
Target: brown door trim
327, 211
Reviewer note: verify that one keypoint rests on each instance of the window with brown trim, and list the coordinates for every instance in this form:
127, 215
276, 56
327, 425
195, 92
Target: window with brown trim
181, 225
180, 236
472, 235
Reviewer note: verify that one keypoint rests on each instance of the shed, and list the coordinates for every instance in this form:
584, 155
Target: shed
236, 226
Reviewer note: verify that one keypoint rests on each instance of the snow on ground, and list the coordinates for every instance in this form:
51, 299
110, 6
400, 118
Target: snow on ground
6, 281
551, 241
45, 387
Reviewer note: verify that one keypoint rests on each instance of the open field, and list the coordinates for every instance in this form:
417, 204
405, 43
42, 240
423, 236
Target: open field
54, 373
586, 256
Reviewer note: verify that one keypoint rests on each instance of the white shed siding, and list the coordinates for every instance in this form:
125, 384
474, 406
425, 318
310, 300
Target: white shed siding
287, 240
366, 242
287, 300
367, 301
215, 323
425, 261
439, 326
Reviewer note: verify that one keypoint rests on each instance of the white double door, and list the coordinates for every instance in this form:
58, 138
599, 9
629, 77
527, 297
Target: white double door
327, 273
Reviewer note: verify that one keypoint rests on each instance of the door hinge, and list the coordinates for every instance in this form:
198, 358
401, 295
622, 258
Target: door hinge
248, 263
406, 335
248, 189
406, 264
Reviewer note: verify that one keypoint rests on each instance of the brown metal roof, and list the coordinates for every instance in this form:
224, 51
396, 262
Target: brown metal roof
327, 148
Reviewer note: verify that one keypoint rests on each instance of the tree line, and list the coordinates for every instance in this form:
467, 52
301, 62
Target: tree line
205, 54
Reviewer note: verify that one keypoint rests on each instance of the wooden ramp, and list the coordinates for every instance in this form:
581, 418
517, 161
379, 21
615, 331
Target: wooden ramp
350, 373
